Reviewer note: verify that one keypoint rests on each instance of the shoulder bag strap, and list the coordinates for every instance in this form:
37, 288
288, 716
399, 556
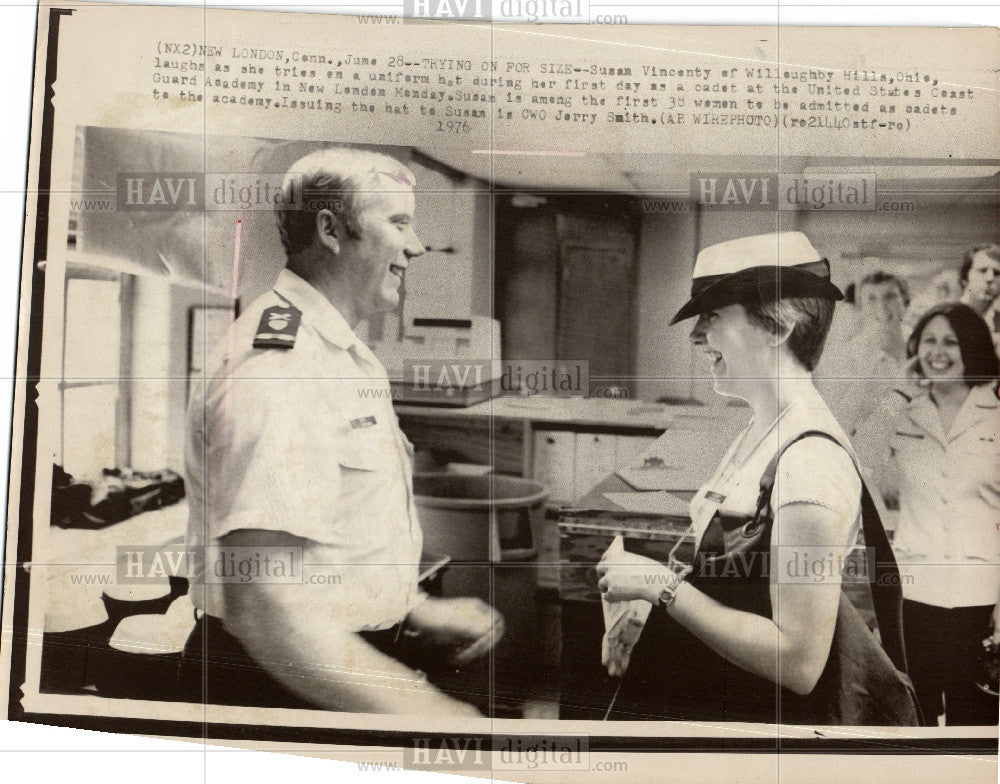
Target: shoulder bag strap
884, 582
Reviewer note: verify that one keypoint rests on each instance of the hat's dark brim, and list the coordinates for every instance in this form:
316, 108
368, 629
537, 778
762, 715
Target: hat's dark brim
755, 286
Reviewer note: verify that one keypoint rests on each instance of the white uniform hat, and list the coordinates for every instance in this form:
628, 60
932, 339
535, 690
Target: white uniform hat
752, 270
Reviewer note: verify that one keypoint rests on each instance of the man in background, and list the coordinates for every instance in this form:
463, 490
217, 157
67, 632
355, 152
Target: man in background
296, 465
860, 370
944, 286
980, 276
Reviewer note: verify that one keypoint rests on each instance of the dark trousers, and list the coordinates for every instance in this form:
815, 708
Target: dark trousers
943, 647
216, 669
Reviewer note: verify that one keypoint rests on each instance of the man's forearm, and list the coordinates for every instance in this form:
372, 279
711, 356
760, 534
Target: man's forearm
325, 664
293, 633
341, 671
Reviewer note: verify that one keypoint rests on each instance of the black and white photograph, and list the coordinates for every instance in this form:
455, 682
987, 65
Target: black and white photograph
540, 402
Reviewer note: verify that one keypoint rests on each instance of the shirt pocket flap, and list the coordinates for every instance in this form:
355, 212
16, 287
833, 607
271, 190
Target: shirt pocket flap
906, 441
981, 442
362, 452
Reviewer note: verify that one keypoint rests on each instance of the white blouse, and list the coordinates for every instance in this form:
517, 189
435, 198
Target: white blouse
813, 471
948, 540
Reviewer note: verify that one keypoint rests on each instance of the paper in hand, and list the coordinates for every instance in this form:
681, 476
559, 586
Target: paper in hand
623, 623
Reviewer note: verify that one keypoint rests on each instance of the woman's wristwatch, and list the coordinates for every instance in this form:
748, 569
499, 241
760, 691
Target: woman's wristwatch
676, 573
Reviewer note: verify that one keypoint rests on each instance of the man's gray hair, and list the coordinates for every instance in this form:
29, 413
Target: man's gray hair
340, 179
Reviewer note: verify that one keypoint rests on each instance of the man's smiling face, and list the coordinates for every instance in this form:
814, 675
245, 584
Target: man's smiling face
385, 244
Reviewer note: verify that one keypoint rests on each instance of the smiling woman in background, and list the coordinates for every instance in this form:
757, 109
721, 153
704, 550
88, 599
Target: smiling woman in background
739, 640
944, 453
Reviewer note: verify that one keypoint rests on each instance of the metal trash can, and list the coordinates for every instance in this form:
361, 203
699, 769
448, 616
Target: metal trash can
489, 518
479, 520
489, 526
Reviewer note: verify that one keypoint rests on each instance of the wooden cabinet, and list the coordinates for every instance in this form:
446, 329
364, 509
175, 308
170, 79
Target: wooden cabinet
594, 460
569, 458
554, 462
695, 446
598, 454
549, 556
554, 465
570, 464
628, 450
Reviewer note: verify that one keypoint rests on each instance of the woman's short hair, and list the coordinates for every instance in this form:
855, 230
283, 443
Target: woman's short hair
807, 319
339, 179
974, 341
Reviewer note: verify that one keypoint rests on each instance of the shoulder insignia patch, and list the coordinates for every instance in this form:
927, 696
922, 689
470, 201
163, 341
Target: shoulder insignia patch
278, 326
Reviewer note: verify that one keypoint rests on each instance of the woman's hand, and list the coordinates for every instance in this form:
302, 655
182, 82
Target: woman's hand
914, 383
626, 576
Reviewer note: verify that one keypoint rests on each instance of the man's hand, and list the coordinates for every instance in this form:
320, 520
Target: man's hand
466, 626
294, 635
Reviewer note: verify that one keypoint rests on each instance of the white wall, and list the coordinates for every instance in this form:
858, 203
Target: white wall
663, 360
668, 244
460, 285
152, 418
159, 367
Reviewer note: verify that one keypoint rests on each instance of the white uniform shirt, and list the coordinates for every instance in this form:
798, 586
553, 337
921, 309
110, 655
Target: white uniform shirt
812, 471
305, 440
855, 377
992, 319
948, 540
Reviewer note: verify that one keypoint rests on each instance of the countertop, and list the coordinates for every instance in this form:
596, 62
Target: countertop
594, 412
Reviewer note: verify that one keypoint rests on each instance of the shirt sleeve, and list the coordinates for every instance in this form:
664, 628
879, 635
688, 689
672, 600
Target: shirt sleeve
271, 459
818, 471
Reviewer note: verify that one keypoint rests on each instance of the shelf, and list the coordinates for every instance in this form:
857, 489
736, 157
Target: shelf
78, 262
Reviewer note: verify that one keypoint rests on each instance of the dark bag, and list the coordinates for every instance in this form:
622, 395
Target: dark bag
863, 683
119, 493
874, 687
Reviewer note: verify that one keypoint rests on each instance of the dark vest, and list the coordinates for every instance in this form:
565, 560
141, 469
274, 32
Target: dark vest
673, 675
